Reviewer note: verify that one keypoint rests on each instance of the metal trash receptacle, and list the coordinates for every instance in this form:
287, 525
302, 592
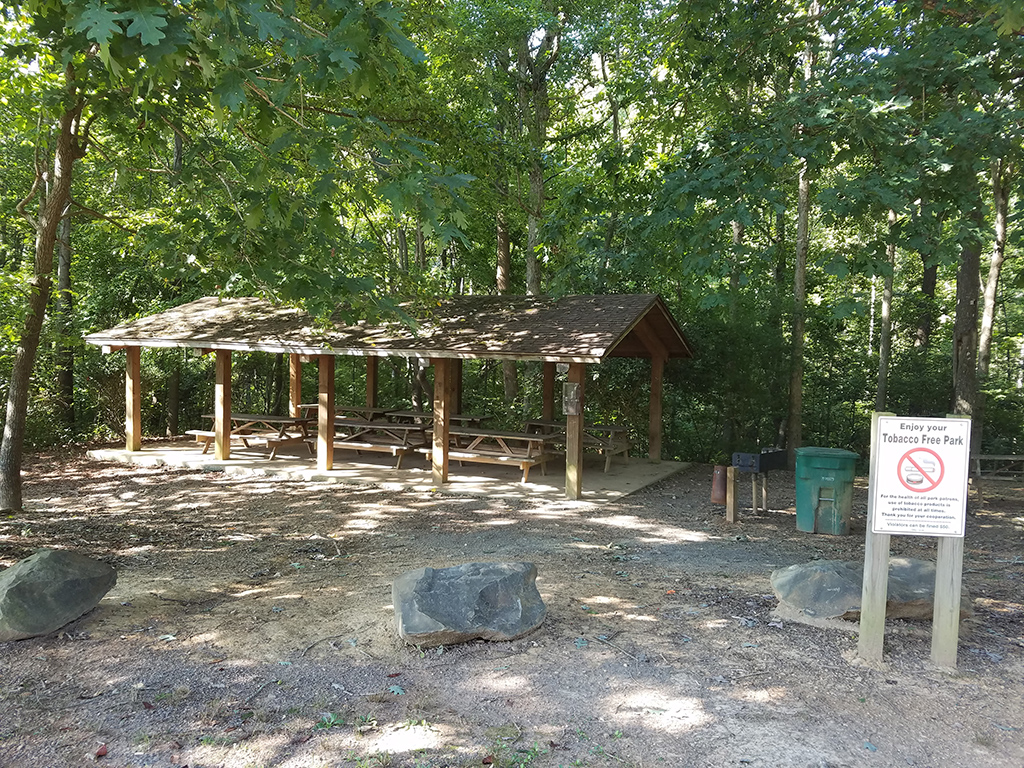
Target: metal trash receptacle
824, 489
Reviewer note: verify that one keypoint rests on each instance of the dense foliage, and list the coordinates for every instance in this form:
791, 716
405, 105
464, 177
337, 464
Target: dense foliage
357, 152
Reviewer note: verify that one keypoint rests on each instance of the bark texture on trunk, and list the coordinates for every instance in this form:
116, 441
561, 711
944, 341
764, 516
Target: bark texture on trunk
1002, 174
51, 211
929, 279
173, 401
535, 109
1002, 177
503, 282
885, 322
64, 307
965, 326
794, 424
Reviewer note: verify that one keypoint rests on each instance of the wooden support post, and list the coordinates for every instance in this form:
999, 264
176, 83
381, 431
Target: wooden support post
874, 594
294, 385
574, 435
133, 399
875, 589
949, 567
654, 426
372, 385
730, 495
753, 492
764, 492
325, 415
949, 570
442, 420
548, 393
222, 405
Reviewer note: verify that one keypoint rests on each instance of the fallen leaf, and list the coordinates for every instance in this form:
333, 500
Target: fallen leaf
147, 705
489, 760
394, 674
101, 752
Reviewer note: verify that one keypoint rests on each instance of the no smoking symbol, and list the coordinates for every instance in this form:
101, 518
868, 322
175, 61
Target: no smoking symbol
920, 470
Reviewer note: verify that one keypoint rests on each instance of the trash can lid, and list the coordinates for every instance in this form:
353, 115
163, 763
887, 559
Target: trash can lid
826, 453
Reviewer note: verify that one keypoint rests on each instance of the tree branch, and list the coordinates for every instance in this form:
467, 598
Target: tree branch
28, 199
97, 215
580, 132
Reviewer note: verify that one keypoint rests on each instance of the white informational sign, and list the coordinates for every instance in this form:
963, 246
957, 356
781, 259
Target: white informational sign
921, 468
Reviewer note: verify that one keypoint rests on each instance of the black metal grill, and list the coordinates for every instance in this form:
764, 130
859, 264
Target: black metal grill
765, 461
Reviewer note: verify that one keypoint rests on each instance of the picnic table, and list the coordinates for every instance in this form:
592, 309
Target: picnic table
494, 446
363, 412
607, 439
395, 438
427, 417
274, 430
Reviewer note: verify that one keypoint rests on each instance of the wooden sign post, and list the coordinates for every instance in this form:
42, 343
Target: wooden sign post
917, 487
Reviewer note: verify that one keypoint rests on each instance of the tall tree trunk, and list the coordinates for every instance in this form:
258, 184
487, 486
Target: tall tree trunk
616, 172
67, 151
172, 403
534, 216
503, 282
280, 379
535, 108
65, 322
421, 247
929, 279
403, 250
1002, 174
965, 326
794, 428
777, 317
730, 415
885, 331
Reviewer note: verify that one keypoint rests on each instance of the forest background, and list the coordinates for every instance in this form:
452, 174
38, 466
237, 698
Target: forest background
826, 195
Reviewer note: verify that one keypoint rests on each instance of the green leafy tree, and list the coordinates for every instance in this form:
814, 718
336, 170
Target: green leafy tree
157, 68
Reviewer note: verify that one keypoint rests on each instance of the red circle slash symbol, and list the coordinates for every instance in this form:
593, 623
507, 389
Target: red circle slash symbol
920, 470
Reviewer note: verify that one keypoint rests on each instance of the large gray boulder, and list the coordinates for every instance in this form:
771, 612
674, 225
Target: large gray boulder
826, 589
492, 601
48, 589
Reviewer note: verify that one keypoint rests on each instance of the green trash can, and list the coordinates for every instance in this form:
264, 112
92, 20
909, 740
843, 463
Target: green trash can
824, 490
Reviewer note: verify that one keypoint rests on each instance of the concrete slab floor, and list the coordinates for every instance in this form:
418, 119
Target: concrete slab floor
378, 470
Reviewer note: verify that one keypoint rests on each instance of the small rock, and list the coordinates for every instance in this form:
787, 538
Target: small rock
491, 601
49, 589
832, 589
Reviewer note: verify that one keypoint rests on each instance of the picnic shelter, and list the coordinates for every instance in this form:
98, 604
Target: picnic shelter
575, 331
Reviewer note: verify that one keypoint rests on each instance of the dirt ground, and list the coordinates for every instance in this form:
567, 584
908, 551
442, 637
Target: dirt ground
252, 625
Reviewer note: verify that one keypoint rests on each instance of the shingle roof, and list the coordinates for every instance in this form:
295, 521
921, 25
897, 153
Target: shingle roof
573, 328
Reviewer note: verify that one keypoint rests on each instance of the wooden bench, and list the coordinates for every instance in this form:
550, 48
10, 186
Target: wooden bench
607, 439
208, 436
613, 445
523, 462
379, 446
273, 431
491, 446
272, 440
380, 436
997, 467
